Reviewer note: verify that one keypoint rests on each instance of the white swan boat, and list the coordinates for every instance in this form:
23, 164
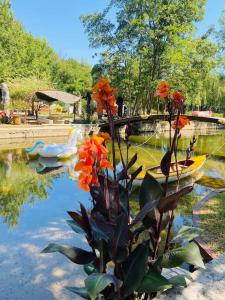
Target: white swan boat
60, 151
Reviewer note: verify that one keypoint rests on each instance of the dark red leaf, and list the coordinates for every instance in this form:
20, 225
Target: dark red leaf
170, 202
149, 206
165, 163
86, 220
132, 161
76, 255
77, 218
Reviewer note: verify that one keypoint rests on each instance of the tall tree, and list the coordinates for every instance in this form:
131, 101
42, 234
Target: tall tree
140, 41
29, 61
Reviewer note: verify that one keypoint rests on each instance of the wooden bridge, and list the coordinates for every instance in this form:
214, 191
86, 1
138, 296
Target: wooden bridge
154, 118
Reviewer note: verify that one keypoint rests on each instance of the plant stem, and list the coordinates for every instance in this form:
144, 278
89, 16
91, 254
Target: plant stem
168, 232
158, 236
112, 131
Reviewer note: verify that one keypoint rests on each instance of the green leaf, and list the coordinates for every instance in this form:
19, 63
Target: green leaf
186, 234
76, 255
96, 283
180, 280
75, 227
188, 254
90, 269
150, 190
82, 292
135, 268
154, 282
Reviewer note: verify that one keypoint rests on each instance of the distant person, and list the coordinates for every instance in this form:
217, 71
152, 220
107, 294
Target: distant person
119, 102
5, 98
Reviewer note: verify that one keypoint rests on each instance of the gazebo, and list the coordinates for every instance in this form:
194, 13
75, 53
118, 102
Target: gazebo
51, 96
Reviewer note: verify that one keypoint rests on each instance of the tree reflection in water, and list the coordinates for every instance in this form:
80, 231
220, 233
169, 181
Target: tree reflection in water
19, 184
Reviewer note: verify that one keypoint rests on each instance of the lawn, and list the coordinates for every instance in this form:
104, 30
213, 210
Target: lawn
212, 216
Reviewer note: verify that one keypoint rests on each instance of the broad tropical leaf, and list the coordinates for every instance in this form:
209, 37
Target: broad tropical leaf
80, 291
75, 226
76, 255
118, 248
90, 269
144, 212
165, 163
85, 217
135, 268
102, 225
186, 234
123, 195
154, 282
180, 280
150, 190
132, 161
188, 254
77, 218
121, 232
170, 202
96, 283
97, 233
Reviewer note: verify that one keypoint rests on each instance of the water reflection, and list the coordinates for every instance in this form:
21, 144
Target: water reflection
23, 186
19, 184
28, 181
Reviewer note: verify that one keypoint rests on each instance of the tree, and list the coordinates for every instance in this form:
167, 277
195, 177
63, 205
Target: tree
21, 55
25, 59
72, 76
148, 40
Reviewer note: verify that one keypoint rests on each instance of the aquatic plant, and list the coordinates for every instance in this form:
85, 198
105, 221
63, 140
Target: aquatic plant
127, 254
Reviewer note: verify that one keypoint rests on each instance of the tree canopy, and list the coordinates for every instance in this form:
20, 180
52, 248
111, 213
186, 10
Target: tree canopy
144, 41
30, 62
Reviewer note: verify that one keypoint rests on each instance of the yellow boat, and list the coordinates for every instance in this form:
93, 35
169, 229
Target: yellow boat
185, 169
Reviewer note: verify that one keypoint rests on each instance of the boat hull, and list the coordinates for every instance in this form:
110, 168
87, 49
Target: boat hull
198, 162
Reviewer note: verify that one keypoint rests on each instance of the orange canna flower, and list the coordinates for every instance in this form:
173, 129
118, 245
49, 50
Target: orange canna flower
178, 98
182, 122
92, 159
162, 90
104, 95
98, 140
104, 163
82, 166
83, 181
105, 136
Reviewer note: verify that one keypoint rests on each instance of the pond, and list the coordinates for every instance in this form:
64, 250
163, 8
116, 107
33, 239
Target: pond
33, 213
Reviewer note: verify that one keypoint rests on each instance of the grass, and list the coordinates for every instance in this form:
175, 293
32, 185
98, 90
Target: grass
212, 216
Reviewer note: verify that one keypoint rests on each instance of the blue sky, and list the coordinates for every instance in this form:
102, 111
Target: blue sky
58, 22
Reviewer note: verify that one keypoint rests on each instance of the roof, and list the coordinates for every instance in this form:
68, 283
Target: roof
51, 96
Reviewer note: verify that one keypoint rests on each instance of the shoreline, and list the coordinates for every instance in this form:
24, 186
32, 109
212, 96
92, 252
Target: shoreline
10, 132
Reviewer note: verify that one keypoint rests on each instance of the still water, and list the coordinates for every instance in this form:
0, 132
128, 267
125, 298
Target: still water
33, 210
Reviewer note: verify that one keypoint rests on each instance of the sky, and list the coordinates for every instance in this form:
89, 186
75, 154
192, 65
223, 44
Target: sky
58, 22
